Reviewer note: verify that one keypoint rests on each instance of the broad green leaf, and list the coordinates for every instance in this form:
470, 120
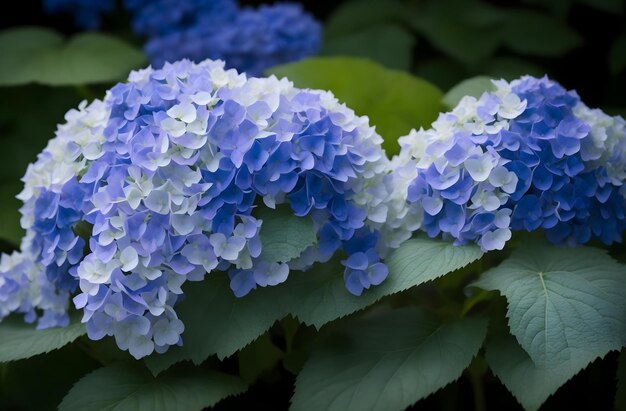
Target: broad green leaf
40, 55
394, 101
531, 385
357, 15
284, 235
217, 322
474, 86
538, 34
123, 387
319, 295
257, 358
388, 44
617, 55
620, 396
19, 340
566, 306
387, 362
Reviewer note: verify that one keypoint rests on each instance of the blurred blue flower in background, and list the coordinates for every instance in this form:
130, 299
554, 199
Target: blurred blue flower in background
529, 155
250, 40
86, 12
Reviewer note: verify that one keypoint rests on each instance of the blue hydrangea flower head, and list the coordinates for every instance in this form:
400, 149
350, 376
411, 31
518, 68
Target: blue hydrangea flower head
250, 40
158, 184
86, 12
529, 155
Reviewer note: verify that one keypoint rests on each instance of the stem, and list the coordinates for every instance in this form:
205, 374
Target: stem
476, 372
478, 390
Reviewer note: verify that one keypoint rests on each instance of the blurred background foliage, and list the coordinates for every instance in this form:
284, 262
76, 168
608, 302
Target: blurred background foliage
580, 43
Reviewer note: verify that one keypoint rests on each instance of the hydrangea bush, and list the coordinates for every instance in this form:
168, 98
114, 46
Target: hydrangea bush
528, 155
196, 213
168, 171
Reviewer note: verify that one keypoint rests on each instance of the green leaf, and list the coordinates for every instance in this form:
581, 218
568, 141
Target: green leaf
39, 55
284, 236
474, 86
617, 55
157, 363
122, 387
538, 34
387, 362
565, 306
620, 396
394, 101
319, 295
259, 357
388, 44
217, 322
531, 385
19, 340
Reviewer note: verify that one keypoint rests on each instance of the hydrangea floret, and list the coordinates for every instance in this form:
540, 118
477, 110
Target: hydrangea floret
159, 183
529, 155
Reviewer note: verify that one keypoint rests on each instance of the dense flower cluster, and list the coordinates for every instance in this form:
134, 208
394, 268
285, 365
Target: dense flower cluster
86, 12
249, 40
528, 155
158, 184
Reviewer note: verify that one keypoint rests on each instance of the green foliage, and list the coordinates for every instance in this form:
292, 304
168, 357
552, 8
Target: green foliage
394, 101
388, 44
566, 307
474, 86
217, 322
130, 387
371, 29
19, 340
284, 235
530, 384
40, 55
535, 33
319, 296
387, 362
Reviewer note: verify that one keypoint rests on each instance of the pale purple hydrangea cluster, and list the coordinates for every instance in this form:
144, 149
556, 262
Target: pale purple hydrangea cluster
528, 155
158, 185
